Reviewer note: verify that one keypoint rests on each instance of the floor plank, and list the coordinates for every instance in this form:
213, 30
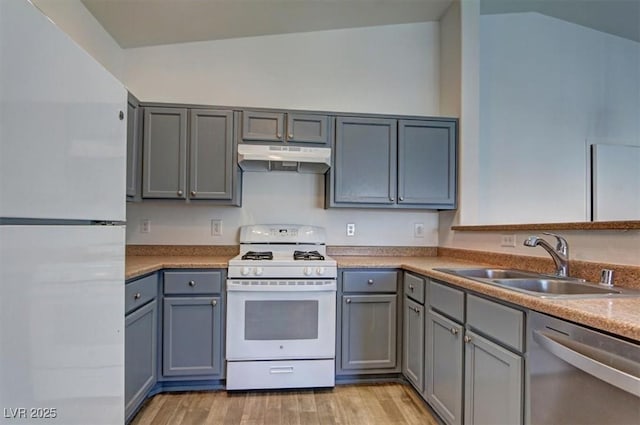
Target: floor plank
370, 404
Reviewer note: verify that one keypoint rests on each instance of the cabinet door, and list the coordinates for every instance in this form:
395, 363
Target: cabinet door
165, 153
211, 160
493, 383
308, 129
368, 332
427, 163
365, 161
413, 343
444, 367
262, 126
134, 145
192, 336
139, 355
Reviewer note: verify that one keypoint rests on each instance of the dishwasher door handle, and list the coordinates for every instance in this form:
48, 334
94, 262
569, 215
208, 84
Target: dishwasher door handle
603, 371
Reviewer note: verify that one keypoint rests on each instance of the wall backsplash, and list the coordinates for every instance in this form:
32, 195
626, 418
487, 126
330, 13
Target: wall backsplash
276, 197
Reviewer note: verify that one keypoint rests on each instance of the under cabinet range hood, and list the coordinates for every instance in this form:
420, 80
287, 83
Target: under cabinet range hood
284, 158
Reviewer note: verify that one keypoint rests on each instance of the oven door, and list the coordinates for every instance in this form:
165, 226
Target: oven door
293, 324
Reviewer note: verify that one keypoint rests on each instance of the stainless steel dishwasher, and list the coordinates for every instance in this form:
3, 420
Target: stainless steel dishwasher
580, 376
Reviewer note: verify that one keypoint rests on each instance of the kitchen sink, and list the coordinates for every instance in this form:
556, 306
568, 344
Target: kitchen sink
554, 287
541, 285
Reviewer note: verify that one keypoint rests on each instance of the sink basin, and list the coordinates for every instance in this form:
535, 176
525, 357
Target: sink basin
490, 273
544, 286
554, 287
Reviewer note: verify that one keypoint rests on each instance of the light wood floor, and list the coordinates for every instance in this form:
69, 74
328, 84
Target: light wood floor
370, 404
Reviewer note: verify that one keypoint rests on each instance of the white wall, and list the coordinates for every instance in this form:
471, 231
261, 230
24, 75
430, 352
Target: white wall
548, 88
385, 69
276, 197
74, 19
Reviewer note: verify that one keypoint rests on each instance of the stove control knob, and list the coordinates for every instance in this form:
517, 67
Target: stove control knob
307, 271
244, 271
258, 271
320, 271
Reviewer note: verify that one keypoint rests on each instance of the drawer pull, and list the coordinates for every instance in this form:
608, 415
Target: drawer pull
467, 339
454, 331
411, 288
417, 310
281, 370
192, 283
348, 301
370, 281
137, 296
214, 302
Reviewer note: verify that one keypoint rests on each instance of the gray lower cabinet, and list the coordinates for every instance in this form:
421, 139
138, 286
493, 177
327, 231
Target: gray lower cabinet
368, 322
389, 163
493, 383
141, 330
190, 154
192, 324
269, 127
134, 149
444, 367
413, 330
474, 358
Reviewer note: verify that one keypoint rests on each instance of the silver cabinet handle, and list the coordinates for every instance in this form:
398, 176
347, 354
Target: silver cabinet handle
370, 281
121, 115
467, 339
348, 301
214, 302
411, 288
180, 193
193, 193
279, 135
290, 136
391, 198
402, 198
137, 296
417, 310
192, 283
454, 331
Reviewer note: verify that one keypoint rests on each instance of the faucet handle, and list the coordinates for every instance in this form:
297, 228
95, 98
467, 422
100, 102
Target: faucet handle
562, 244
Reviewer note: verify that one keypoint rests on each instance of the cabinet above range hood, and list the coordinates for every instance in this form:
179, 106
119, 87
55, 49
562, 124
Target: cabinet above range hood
309, 160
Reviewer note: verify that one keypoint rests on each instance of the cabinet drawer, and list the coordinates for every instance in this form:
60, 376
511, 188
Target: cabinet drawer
503, 324
447, 300
139, 292
414, 287
369, 281
189, 283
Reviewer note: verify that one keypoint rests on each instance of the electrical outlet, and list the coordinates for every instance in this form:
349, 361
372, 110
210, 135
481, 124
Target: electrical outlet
508, 240
145, 225
351, 229
418, 230
216, 227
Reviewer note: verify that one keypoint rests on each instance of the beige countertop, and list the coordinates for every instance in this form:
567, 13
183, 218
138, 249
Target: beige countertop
616, 315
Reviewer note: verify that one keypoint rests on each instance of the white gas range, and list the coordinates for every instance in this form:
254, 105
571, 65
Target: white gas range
281, 307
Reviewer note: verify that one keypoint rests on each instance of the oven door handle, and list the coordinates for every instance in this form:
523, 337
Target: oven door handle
582, 356
279, 370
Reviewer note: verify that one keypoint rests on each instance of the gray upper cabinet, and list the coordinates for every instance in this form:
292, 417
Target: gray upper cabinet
207, 137
269, 127
262, 126
364, 169
211, 157
386, 163
134, 148
165, 153
427, 163
308, 129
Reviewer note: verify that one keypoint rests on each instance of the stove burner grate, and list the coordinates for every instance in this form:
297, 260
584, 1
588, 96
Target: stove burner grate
307, 255
254, 255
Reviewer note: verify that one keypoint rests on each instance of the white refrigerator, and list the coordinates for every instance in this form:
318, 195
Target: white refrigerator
62, 212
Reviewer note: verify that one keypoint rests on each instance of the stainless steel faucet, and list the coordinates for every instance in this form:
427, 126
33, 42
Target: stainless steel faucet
559, 254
